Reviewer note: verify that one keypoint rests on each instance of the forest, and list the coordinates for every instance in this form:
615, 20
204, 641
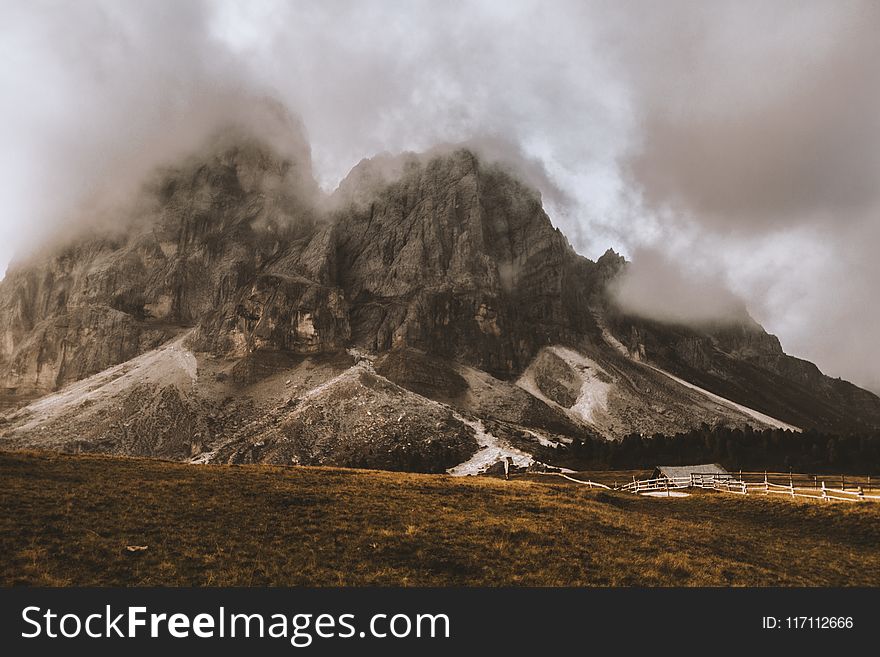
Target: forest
735, 449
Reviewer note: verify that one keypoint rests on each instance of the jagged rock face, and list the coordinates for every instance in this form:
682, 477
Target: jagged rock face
289, 314
443, 270
73, 344
199, 235
216, 225
435, 378
742, 362
454, 258
457, 259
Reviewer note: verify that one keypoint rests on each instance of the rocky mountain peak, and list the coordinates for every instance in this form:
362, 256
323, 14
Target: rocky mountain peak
442, 268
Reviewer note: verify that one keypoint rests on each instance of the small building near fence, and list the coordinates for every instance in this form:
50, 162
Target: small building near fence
684, 471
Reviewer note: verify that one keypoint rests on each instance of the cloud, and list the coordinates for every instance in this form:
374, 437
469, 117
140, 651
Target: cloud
774, 121
98, 94
759, 149
655, 287
742, 138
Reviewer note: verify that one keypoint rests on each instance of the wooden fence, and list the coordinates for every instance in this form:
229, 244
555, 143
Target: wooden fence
639, 486
746, 484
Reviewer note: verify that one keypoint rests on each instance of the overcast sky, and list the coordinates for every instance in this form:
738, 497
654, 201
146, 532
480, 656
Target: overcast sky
731, 148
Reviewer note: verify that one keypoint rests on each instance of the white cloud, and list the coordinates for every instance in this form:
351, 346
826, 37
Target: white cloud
737, 135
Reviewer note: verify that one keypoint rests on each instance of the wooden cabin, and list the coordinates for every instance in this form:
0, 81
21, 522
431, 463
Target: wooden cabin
684, 471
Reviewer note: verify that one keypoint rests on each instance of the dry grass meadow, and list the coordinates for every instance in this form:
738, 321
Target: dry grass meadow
67, 520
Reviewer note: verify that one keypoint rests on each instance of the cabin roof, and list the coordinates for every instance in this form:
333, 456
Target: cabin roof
674, 471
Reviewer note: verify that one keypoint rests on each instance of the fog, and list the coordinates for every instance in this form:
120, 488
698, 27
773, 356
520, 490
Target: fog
730, 149
700, 296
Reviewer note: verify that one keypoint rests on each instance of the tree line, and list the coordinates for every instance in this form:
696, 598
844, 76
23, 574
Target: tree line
735, 449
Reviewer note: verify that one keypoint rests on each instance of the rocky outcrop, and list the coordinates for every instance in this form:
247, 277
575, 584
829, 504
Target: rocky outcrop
458, 259
556, 379
281, 313
360, 420
198, 236
430, 376
742, 362
74, 344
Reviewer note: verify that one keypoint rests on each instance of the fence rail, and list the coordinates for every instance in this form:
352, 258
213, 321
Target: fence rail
591, 484
729, 484
842, 482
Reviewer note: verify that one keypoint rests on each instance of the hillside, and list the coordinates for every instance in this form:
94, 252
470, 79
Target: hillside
432, 290
67, 520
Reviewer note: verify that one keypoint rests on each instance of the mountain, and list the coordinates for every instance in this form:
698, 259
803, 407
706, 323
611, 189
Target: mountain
426, 316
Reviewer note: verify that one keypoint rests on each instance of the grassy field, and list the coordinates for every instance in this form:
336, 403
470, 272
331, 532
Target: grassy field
66, 520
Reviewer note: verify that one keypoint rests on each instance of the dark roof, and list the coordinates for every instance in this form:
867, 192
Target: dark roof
674, 471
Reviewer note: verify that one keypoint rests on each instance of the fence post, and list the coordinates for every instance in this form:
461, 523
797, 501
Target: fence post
842, 482
766, 484
666, 482
861, 494
824, 494
791, 486
815, 481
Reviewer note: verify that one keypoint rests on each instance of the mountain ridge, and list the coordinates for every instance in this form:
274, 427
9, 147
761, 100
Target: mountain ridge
442, 271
